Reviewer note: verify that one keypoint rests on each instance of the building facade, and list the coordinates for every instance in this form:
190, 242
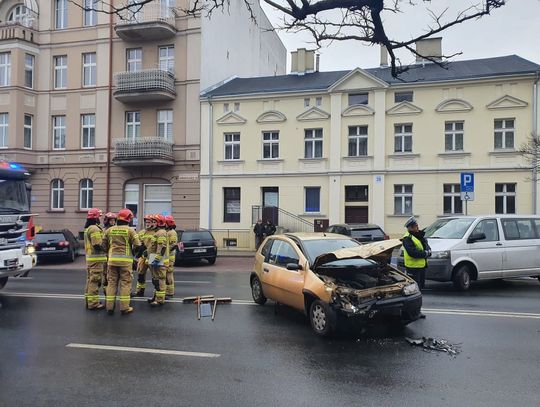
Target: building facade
360, 146
104, 109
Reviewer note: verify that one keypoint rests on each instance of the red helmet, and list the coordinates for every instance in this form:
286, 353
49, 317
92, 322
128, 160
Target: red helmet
169, 220
94, 213
110, 215
148, 216
125, 215
160, 220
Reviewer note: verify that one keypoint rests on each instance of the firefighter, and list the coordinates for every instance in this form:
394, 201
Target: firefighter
109, 220
96, 258
158, 259
146, 236
120, 241
173, 241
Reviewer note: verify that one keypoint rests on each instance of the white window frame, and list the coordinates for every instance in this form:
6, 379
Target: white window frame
455, 193
318, 101
503, 132
88, 130
4, 130
134, 61
89, 64
505, 195
29, 64
89, 16
403, 135
165, 122
19, 14
28, 129
270, 139
5, 68
166, 62
167, 7
134, 124
310, 137
454, 133
357, 138
236, 106
57, 194
60, 14
86, 185
59, 132
403, 194
60, 71
307, 102
231, 146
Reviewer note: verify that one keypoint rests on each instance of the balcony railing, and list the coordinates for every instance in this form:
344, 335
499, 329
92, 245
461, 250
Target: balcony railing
21, 30
143, 151
147, 85
152, 21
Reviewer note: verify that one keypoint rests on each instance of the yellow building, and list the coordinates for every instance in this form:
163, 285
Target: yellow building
361, 146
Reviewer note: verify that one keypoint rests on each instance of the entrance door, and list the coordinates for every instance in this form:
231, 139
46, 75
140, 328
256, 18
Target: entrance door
356, 214
270, 201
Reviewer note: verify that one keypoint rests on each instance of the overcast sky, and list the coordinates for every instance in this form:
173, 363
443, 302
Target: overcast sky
513, 29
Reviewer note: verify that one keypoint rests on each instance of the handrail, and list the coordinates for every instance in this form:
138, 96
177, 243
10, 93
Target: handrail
151, 12
145, 80
143, 147
286, 219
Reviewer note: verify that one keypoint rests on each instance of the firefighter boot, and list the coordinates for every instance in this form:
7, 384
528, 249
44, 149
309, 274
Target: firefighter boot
141, 282
127, 311
153, 302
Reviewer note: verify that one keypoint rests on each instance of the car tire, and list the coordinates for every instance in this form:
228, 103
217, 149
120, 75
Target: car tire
211, 260
71, 257
3, 282
322, 318
257, 292
538, 278
462, 278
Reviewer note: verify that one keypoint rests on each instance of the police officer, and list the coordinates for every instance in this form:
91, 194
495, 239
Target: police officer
146, 236
416, 251
173, 241
119, 242
158, 259
96, 258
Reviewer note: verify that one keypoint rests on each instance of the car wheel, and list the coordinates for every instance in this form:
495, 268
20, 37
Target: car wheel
211, 260
322, 318
72, 256
3, 282
462, 278
538, 278
257, 292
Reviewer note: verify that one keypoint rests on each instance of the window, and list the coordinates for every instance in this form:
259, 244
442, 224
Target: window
225, 107
4, 129
86, 195
60, 72
318, 101
452, 202
90, 15
157, 198
489, 228
61, 14
134, 59
59, 132
270, 144
358, 139
89, 69
518, 229
231, 204
313, 143
505, 198
167, 8
165, 124
166, 58
133, 125
313, 199
57, 194
282, 253
358, 99
356, 193
403, 138
306, 102
88, 130
504, 133
27, 129
403, 199
29, 71
236, 106
232, 146
405, 96
453, 136
19, 14
5, 68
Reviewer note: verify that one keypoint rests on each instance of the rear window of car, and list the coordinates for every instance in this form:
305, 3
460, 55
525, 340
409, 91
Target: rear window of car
370, 233
45, 237
202, 235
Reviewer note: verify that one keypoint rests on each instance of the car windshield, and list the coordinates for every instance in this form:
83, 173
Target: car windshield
452, 228
315, 248
188, 236
46, 237
13, 197
370, 233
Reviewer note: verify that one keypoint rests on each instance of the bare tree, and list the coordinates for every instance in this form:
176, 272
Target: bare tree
342, 20
530, 151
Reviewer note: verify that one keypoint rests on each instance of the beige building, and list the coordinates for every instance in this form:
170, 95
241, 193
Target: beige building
361, 146
104, 109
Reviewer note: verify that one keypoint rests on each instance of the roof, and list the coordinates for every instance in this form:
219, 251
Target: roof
418, 73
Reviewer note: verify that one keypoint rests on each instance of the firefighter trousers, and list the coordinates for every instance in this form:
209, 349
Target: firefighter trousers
93, 282
104, 278
119, 279
158, 279
142, 267
169, 279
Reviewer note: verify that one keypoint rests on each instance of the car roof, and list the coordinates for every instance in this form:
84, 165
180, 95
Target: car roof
192, 230
316, 236
357, 225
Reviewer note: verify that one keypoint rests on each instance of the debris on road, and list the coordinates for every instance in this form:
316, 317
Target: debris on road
439, 345
206, 304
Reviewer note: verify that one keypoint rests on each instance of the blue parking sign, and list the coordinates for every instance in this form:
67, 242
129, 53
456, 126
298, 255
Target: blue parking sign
467, 182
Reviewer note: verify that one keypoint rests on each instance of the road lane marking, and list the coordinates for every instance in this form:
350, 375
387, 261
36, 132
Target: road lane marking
143, 350
187, 281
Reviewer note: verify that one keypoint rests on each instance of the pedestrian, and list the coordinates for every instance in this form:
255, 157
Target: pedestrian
146, 236
120, 242
96, 259
269, 228
173, 241
158, 261
416, 251
258, 229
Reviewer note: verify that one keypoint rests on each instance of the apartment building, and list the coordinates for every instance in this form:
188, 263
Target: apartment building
362, 146
104, 109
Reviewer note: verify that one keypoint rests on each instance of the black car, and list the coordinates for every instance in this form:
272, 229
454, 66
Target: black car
60, 244
196, 244
361, 232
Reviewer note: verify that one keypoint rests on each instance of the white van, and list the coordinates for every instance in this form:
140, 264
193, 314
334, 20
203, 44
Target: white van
466, 248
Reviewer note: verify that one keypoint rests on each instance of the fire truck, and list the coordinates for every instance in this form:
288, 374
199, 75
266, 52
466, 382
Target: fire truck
17, 252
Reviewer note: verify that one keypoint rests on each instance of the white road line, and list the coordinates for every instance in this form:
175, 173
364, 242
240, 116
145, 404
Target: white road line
187, 281
143, 350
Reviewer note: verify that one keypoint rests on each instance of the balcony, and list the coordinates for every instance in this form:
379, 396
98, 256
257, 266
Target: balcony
154, 21
18, 30
148, 85
143, 152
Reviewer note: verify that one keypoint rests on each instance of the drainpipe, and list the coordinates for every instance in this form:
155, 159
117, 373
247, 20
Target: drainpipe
109, 118
535, 135
210, 160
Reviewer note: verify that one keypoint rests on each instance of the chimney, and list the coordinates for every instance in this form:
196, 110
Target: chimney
384, 56
430, 47
302, 61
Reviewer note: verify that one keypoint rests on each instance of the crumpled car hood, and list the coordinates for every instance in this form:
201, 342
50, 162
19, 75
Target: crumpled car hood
378, 251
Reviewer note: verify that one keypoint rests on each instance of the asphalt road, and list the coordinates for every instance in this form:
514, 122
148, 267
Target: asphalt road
55, 353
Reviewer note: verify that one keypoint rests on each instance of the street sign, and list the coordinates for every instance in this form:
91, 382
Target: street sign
467, 196
467, 182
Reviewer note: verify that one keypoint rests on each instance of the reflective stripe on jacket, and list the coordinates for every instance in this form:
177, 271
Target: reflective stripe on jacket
93, 236
413, 262
173, 241
162, 243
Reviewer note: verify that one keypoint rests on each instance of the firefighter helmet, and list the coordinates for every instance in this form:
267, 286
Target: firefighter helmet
111, 215
160, 220
148, 216
94, 213
125, 215
169, 220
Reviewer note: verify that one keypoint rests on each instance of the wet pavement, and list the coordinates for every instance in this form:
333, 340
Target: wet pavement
250, 356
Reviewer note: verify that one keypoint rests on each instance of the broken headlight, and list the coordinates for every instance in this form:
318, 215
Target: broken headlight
410, 289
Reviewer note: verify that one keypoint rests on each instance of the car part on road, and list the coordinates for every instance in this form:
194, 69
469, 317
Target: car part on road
462, 278
431, 344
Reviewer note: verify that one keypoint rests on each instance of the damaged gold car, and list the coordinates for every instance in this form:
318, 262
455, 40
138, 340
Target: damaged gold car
332, 278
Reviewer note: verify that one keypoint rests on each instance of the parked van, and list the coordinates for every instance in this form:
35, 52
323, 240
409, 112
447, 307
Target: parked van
467, 248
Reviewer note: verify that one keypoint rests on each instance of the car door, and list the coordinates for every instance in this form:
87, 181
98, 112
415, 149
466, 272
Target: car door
487, 253
521, 247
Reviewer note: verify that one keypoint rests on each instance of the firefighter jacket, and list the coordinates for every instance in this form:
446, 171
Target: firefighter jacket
161, 246
147, 238
93, 236
173, 241
119, 242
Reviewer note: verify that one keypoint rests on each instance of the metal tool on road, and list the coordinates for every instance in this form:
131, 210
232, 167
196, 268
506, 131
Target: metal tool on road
206, 304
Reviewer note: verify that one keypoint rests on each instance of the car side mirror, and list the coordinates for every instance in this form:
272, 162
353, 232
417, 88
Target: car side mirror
475, 237
294, 266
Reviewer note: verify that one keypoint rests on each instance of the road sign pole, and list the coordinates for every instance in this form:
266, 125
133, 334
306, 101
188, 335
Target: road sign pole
466, 207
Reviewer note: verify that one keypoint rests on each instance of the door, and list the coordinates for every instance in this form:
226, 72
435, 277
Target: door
487, 253
520, 247
356, 214
270, 203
